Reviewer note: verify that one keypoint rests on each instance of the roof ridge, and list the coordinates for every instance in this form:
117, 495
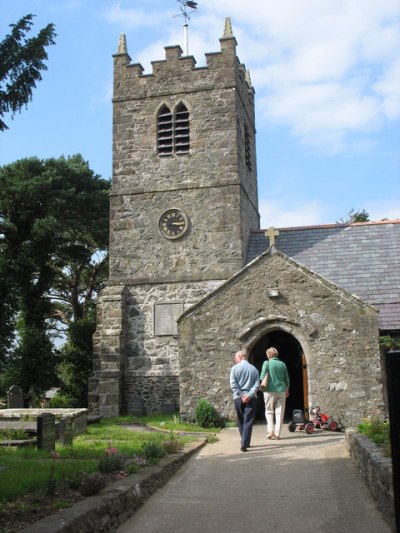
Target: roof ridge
325, 226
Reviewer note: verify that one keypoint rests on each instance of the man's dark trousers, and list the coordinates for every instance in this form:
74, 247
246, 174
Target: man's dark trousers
245, 414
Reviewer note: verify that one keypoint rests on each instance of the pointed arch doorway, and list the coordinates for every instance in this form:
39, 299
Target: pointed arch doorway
291, 353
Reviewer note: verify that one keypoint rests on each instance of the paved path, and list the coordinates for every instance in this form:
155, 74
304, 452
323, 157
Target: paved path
302, 483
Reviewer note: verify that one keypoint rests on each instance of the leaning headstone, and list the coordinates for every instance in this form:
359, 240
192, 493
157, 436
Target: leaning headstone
65, 431
46, 431
15, 397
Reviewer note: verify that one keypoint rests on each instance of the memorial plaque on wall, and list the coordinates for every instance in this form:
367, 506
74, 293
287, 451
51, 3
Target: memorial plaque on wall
165, 317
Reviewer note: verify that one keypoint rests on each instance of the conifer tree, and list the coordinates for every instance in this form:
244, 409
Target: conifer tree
21, 61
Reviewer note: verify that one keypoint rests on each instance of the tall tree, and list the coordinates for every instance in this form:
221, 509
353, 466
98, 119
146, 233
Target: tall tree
21, 63
51, 212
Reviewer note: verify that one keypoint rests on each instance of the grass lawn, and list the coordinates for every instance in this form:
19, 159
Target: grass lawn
23, 470
31, 479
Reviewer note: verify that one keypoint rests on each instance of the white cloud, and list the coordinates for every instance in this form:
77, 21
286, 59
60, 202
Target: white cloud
389, 89
328, 71
389, 209
285, 213
130, 18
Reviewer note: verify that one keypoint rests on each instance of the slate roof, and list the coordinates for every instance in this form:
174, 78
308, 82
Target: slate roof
363, 258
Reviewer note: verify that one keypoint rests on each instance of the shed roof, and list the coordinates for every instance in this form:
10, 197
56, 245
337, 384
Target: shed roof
363, 258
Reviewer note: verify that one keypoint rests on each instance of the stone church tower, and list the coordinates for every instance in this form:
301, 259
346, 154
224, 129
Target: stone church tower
183, 205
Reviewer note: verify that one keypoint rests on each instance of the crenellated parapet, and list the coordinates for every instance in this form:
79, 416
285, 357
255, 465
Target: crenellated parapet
222, 70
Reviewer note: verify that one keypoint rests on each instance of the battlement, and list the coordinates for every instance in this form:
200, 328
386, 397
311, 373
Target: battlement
222, 70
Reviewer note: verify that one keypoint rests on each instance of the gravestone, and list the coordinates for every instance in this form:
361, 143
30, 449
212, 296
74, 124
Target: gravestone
15, 397
46, 431
65, 431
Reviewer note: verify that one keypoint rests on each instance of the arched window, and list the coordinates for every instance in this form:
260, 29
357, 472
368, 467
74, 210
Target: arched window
181, 130
173, 131
164, 131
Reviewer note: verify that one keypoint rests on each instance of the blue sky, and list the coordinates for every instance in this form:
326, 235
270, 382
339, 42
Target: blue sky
326, 75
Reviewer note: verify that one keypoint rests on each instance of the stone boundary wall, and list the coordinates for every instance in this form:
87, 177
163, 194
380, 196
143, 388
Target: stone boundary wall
375, 470
106, 511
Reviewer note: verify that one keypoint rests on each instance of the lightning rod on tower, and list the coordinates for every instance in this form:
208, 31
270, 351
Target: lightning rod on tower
187, 7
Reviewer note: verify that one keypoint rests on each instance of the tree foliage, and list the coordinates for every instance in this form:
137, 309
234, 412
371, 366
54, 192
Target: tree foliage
21, 63
53, 218
354, 216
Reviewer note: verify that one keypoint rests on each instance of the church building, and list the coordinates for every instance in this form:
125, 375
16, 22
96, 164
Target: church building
193, 278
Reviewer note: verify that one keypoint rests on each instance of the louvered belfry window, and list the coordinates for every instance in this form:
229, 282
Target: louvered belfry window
247, 147
164, 132
181, 130
173, 131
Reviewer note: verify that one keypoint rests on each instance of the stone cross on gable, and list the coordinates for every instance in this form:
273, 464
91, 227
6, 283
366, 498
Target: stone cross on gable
271, 233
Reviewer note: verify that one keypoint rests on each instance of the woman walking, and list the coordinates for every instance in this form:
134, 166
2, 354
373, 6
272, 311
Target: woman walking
276, 392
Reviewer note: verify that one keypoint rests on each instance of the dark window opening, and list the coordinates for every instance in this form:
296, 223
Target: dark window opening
247, 148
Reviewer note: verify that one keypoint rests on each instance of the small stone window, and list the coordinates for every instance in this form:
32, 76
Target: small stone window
173, 131
247, 148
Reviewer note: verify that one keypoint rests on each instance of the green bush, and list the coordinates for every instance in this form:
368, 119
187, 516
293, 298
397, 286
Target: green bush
111, 463
206, 415
153, 450
378, 431
61, 401
172, 445
389, 343
13, 434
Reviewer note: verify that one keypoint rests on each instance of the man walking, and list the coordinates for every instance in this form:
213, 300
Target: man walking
244, 381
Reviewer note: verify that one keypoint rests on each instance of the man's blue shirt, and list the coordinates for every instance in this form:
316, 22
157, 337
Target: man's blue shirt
244, 379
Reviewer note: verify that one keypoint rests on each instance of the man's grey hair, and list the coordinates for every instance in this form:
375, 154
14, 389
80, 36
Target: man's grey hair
242, 354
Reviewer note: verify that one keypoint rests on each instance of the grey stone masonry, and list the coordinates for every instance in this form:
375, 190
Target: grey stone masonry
338, 334
213, 182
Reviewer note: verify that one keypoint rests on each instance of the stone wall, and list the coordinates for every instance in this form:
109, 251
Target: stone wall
376, 471
135, 370
338, 334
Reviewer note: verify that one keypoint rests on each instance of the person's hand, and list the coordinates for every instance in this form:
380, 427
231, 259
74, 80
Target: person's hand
287, 393
245, 398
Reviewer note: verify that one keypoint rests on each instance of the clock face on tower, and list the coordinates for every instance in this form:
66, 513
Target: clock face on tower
173, 223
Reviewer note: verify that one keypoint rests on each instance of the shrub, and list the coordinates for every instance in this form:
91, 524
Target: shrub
172, 445
389, 343
206, 415
110, 464
378, 431
153, 450
60, 401
13, 434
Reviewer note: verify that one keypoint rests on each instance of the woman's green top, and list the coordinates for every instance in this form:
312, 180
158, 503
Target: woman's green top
278, 379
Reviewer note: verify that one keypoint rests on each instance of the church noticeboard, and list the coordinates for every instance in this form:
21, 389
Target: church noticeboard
165, 317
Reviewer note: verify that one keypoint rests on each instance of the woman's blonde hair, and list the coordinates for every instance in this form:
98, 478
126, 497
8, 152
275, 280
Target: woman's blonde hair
272, 352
